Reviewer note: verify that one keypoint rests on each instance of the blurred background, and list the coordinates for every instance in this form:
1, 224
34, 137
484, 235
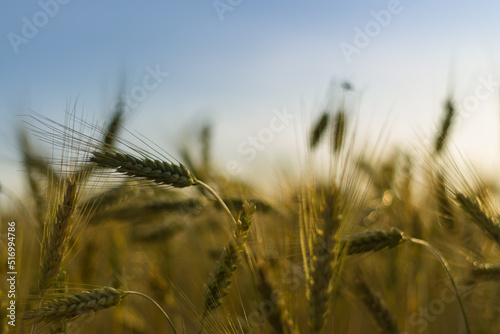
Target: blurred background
241, 64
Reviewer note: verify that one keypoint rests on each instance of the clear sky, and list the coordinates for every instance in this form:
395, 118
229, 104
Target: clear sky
238, 62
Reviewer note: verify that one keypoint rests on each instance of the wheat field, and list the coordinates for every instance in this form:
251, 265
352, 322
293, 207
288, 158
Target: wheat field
117, 236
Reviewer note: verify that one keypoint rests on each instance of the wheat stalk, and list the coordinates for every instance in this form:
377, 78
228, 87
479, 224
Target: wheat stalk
446, 267
218, 284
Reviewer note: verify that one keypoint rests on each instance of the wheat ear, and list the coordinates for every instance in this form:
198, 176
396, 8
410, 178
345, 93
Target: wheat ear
376, 305
443, 202
73, 306
485, 271
372, 241
160, 172
473, 210
116, 122
218, 284
339, 131
279, 318
324, 264
319, 129
449, 114
69, 308
220, 280
55, 244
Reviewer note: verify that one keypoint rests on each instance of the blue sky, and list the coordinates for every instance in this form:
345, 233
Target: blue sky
262, 56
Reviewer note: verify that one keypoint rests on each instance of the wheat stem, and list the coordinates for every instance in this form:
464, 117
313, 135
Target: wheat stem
218, 198
446, 267
157, 305
474, 211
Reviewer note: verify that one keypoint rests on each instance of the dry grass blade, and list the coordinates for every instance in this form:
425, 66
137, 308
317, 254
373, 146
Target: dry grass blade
319, 129
473, 210
160, 172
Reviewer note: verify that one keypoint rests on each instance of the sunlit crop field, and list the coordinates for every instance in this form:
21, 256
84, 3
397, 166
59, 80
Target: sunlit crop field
118, 236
